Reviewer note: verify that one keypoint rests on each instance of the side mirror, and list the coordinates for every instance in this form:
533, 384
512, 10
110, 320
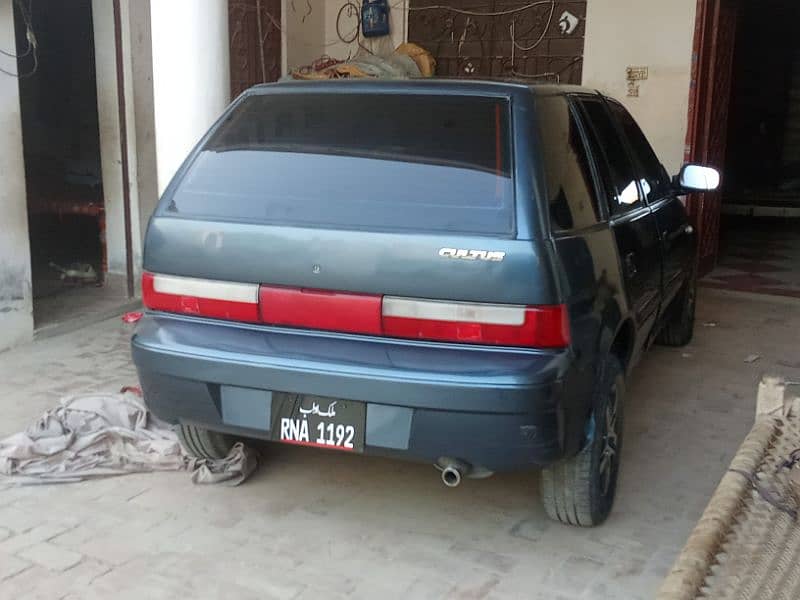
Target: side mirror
697, 178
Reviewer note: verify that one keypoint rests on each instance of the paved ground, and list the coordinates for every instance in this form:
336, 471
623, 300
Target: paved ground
312, 524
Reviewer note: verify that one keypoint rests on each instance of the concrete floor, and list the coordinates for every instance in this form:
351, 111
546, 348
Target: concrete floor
312, 524
61, 307
758, 254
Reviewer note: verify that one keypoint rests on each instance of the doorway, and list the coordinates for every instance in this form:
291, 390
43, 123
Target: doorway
744, 119
61, 142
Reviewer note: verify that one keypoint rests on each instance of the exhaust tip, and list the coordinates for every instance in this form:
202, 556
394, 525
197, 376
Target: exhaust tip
451, 476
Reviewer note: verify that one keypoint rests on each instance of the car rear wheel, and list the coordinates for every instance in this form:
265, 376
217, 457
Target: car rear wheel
580, 490
678, 327
204, 443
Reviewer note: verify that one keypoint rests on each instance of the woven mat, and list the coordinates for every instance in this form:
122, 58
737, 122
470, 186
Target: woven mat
747, 544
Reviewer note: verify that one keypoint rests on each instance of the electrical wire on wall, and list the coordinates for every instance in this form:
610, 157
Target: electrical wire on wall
475, 13
32, 48
350, 10
515, 45
348, 26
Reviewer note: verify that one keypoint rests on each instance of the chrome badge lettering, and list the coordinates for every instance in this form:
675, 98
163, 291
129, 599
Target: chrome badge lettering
462, 254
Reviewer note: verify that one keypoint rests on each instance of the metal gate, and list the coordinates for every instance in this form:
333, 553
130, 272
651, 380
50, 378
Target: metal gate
502, 38
710, 92
255, 42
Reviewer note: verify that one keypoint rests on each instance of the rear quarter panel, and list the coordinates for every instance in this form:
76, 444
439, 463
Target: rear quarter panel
585, 259
593, 291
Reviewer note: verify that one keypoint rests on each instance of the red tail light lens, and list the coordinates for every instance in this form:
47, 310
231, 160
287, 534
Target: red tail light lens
475, 323
201, 297
463, 322
315, 309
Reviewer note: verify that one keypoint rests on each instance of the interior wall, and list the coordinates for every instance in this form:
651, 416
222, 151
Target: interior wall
144, 115
191, 76
16, 301
381, 45
110, 145
652, 34
310, 33
304, 32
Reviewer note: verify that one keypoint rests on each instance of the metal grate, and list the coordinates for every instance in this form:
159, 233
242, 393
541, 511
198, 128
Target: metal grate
255, 42
537, 40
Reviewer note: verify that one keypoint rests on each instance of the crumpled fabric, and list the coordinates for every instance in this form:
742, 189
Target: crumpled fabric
100, 435
231, 470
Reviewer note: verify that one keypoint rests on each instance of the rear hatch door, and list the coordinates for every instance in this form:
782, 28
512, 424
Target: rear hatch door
405, 194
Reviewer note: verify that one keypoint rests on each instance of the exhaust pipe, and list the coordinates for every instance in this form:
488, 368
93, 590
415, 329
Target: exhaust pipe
453, 471
451, 476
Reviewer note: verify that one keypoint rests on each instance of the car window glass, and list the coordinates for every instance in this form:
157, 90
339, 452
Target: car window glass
656, 182
625, 193
573, 201
356, 161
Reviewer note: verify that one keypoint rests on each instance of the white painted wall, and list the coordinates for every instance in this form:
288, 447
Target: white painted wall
16, 301
191, 76
109, 125
310, 34
655, 34
304, 31
144, 114
380, 45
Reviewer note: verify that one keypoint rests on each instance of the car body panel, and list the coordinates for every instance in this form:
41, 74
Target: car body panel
182, 362
352, 261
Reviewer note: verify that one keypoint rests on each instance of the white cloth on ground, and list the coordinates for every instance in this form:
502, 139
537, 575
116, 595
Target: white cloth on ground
100, 435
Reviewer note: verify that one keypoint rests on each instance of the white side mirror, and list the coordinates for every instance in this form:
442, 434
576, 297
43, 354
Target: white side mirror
698, 178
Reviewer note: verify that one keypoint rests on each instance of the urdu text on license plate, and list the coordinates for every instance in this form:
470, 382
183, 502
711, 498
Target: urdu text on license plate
316, 421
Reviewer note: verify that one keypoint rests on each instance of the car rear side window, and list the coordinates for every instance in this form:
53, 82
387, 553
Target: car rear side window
573, 203
656, 183
357, 161
603, 133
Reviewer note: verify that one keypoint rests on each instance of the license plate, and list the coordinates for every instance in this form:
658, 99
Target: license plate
317, 421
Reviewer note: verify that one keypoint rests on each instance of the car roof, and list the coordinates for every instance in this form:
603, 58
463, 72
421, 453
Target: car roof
428, 85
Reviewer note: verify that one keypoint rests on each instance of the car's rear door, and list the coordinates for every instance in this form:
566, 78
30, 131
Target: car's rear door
631, 220
671, 218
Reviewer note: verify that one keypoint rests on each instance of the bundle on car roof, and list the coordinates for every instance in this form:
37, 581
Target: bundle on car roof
407, 60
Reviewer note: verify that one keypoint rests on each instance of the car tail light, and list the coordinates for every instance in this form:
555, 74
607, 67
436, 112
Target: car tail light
436, 320
316, 309
201, 297
476, 323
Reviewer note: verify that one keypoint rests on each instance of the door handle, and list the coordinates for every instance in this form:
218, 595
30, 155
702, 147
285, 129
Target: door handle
672, 236
630, 265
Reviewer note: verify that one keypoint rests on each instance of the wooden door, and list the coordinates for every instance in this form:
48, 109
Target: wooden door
255, 42
710, 94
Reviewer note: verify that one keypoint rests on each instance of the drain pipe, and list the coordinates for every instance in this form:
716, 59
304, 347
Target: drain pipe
123, 142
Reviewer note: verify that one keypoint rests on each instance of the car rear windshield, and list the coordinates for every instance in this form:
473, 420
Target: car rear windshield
357, 161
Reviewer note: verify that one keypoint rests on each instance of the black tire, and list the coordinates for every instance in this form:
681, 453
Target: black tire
580, 490
204, 443
678, 326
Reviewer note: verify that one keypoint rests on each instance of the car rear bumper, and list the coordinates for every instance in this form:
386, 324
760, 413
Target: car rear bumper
494, 408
